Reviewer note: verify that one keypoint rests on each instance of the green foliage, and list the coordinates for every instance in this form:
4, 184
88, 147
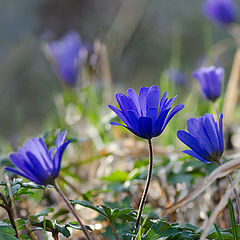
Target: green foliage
6, 232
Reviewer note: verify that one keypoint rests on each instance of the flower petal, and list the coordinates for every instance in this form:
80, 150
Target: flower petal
145, 127
133, 95
152, 98
143, 100
57, 158
174, 111
192, 143
195, 155
120, 115
23, 175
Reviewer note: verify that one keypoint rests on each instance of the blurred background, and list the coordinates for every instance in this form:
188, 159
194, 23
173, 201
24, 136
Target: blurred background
144, 38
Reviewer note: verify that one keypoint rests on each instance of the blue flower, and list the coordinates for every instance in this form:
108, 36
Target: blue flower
210, 79
178, 77
144, 115
204, 137
221, 11
38, 164
68, 54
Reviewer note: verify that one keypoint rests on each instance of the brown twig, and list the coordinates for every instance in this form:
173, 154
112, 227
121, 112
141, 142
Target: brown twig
220, 172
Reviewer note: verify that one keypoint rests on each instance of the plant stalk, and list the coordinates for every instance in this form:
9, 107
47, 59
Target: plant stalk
114, 231
85, 231
144, 195
234, 191
8, 208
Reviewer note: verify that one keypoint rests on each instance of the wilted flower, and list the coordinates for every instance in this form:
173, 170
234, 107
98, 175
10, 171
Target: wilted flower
210, 79
144, 115
178, 77
38, 164
204, 137
221, 11
68, 54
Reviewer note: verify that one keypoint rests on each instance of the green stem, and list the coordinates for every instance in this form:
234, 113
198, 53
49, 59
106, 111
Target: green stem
85, 231
144, 195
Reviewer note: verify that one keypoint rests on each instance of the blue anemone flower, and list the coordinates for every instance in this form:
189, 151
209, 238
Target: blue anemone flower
221, 11
68, 54
210, 79
204, 137
144, 115
38, 164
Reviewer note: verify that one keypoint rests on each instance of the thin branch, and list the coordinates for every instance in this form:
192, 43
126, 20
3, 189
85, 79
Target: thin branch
207, 226
220, 172
85, 231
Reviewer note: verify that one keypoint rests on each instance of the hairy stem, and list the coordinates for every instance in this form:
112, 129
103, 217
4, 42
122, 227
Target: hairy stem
114, 231
234, 191
144, 195
8, 207
85, 231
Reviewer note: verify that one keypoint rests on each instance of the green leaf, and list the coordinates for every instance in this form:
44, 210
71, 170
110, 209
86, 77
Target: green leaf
44, 212
218, 232
91, 206
63, 230
117, 176
7, 232
233, 222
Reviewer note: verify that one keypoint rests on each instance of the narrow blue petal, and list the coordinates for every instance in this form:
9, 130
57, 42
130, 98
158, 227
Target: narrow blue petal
170, 102
134, 116
145, 127
23, 175
192, 143
39, 171
162, 102
117, 124
143, 100
125, 103
133, 95
158, 126
57, 158
120, 115
152, 98
174, 111
212, 134
221, 132
20, 162
195, 155
196, 129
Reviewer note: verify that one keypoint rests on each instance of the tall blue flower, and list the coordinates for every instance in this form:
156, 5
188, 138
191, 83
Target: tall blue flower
204, 137
68, 54
210, 79
143, 115
38, 164
221, 11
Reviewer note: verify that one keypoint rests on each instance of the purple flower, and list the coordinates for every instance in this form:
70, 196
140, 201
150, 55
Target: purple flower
204, 137
178, 77
38, 164
68, 54
221, 11
210, 79
143, 115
